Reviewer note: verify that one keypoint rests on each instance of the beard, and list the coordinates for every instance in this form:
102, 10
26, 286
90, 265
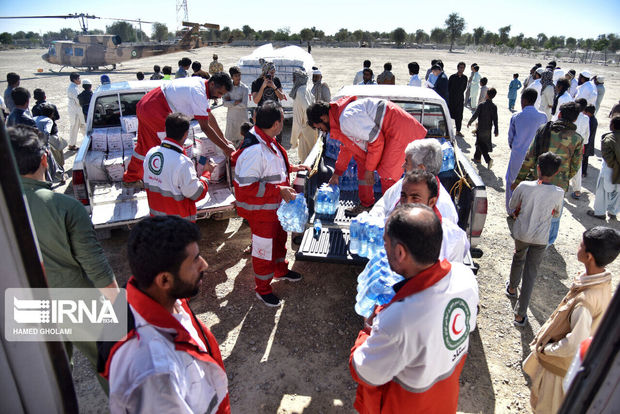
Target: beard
183, 289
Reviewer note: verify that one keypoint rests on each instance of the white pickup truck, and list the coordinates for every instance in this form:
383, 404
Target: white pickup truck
468, 192
97, 183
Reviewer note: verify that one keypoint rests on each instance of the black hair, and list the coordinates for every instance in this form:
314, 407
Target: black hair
553, 64
476, 68
440, 63
414, 68
233, 70
433, 62
156, 69
220, 79
473, 64
88, 87
573, 72
516, 75
549, 163
538, 65
368, 70
74, 76
615, 123
530, 95
157, 244
563, 84
367, 63
196, 66
436, 67
422, 176
185, 62
177, 125
12, 78
460, 64
590, 109
570, 111
20, 96
421, 235
245, 128
38, 94
315, 111
140, 75
167, 70
28, 147
603, 243
533, 70
47, 109
268, 114
582, 103
484, 81
387, 66
491, 93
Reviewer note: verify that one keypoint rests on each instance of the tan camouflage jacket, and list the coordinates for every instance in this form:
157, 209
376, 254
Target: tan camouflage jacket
566, 143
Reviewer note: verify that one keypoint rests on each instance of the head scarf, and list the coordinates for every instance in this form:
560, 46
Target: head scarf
300, 78
546, 79
267, 67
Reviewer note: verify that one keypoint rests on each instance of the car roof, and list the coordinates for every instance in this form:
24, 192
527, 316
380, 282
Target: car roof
128, 86
391, 92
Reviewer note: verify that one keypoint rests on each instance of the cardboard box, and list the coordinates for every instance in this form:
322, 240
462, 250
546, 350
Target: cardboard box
128, 139
115, 141
219, 173
114, 165
99, 140
129, 123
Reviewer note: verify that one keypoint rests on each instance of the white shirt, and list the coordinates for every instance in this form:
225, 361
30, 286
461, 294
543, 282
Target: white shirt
72, 96
537, 203
188, 96
415, 81
573, 87
557, 74
583, 127
564, 98
587, 91
359, 77
538, 87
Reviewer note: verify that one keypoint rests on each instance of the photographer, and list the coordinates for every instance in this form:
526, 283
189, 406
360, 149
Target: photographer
268, 86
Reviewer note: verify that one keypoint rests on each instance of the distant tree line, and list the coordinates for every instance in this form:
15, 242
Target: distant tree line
452, 33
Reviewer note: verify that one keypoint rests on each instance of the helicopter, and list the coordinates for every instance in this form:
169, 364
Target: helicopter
90, 52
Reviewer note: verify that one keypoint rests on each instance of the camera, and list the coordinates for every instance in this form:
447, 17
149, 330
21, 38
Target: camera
268, 77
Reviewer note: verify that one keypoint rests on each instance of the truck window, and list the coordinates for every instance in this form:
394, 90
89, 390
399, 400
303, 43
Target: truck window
107, 112
430, 115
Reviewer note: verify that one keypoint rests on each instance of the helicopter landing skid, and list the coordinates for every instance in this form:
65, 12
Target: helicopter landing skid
59, 70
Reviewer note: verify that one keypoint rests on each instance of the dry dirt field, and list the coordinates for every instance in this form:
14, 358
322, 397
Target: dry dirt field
294, 359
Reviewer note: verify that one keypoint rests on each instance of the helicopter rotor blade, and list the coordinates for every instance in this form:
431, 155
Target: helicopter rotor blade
128, 20
62, 16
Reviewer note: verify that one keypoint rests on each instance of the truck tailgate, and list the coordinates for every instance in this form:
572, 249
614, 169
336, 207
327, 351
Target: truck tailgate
113, 205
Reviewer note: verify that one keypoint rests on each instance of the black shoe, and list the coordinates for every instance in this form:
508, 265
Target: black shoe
269, 299
591, 214
291, 276
357, 210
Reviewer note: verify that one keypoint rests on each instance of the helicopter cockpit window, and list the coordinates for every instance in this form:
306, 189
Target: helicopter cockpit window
52, 50
107, 112
78, 51
69, 51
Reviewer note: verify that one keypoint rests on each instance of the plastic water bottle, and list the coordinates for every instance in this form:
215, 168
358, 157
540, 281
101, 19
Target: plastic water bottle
371, 234
364, 307
354, 240
363, 236
317, 228
449, 160
335, 199
377, 185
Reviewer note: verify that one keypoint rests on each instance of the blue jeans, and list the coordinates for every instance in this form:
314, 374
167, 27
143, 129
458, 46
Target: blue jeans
555, 227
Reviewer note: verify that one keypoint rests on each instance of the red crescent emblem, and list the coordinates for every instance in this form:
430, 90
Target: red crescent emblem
454, 323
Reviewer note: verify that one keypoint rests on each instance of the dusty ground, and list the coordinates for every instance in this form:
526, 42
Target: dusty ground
294, 359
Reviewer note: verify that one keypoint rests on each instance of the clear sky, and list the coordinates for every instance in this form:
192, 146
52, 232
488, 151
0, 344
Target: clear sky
567, 17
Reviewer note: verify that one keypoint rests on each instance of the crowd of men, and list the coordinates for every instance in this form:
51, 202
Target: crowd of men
170, 362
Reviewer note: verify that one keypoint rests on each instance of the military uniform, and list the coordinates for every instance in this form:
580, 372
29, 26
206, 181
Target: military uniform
564, 142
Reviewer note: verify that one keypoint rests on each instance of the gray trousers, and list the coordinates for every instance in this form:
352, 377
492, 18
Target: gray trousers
525, 263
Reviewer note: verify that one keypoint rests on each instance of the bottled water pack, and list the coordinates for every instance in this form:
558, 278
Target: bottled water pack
332, 147
294, 214
348, 180
366, 235
449, 160
327, 199
375, 284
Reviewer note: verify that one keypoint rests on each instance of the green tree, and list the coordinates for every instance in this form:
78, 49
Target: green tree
283, 34
123, 29
237, 34
541, 39
6, 38
571, 43
504, 33
225, 34
421, 36
96, 32
248, 32
438, 35
160, 32
602, 45
455, 25
399, 35
342, 35
614, 42
306, 34
478, 33
268, 35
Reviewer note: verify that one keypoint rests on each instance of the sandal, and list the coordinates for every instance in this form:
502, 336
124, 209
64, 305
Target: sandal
521, 323
591, 214
576, 195
510, 295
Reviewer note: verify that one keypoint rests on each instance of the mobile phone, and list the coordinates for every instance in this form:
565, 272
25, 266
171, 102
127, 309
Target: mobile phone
268, 77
